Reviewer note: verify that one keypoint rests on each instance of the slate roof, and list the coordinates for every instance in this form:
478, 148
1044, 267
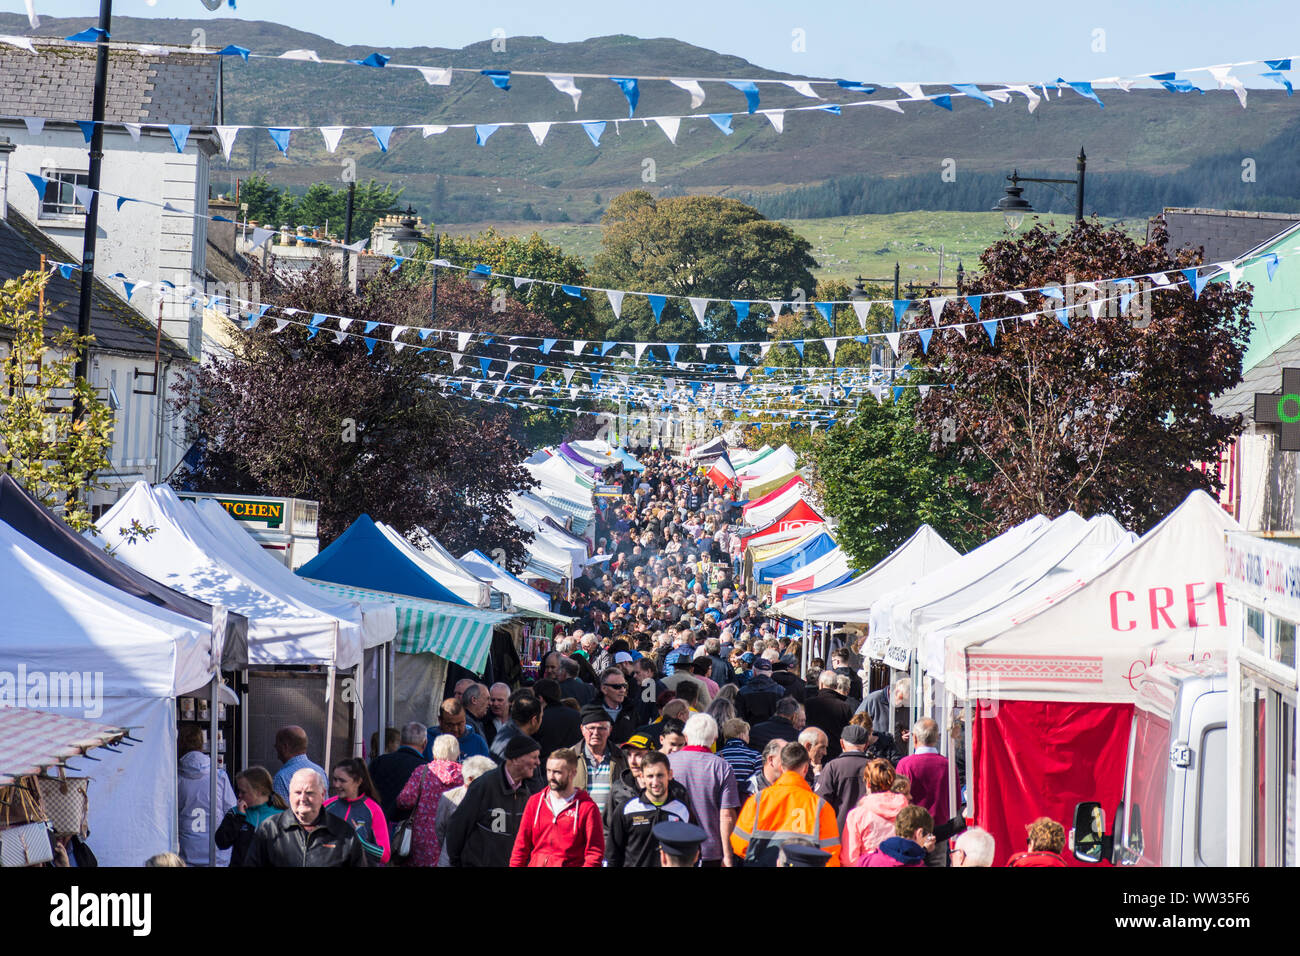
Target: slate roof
1264, 378
117, 326
58, 82
1225, 233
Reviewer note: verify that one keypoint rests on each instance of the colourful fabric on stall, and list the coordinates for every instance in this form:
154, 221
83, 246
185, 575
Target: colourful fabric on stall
1039, 758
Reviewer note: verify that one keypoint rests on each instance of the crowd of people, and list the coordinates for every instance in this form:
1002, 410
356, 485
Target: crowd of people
669, 726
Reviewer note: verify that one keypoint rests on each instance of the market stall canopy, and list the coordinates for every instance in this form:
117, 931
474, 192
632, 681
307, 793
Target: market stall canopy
762, 510
281, 630
576, 460
30, 518
1160, 600
442, 566
831, 569
789, 556
527, 602
782, 459
740, 457
241, 551
454, 632
364, 557
969, 567
31, 740
922, 554
758, 487
798, 516
709, 450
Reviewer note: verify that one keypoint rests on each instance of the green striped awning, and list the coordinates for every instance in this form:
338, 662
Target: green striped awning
459, 634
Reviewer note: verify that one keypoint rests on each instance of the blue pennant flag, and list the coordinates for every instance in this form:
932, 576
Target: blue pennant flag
974, 301
750, 89
854, 87
1175, 85
742, 389
991, 327
1270, 263
65, 270
607, 347
547, 345
925, 339
377, 60
424, 334
1124, 299
123, 200
500, 78
1084, 89
574, 291
672, 351
594, 131
483, 130
39, 184
370, 327
974, 92
943, 101
281, 137
1063, 316
1197, 281
1278, 78
128, 288
656, 305
742, 309
798, 347
1052, 292
88, 128
628, 85
722, 121
232, 50
831, 108
180, 133
825, 308
481, 268
733, 350
88, 35
370, 346
1278, 64
382, 134
311, 334
318, 318
595, 379
397, 263
214, 218
900, 306
695, 388
538, 371
847, 390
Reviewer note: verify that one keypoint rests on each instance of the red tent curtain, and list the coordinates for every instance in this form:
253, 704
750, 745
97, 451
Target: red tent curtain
1039, 758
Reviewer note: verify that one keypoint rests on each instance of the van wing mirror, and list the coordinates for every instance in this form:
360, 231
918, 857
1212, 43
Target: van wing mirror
1088, 839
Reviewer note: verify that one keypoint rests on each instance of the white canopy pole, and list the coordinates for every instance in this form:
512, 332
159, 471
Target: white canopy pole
329, 717
216, 647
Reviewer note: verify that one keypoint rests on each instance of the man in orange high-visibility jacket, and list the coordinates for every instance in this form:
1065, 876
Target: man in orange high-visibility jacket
786, 810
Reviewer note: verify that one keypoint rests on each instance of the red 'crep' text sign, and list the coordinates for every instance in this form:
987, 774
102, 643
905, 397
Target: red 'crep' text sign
1168, 608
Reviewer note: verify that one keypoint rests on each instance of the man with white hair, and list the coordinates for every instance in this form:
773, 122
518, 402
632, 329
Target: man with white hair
975, 847
877, 706
828, 710
814, 741
305, 835
711, 784
498, 707
389, 772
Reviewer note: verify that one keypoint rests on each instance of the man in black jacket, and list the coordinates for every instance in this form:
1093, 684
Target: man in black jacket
614, 699
525, 718
786, 724
828, 711
631, 841
756, 701
560, 725
482, 830
305, 835
391, 771
790, 682
841, 784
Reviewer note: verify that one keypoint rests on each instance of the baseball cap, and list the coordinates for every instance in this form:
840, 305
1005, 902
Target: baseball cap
638, 742
762, 664
623, 657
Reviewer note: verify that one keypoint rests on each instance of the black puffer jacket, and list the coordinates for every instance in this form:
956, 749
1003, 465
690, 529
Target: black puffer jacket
282, 841
482, 830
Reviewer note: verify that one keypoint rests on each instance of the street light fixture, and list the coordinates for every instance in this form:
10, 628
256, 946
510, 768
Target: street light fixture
1014, 208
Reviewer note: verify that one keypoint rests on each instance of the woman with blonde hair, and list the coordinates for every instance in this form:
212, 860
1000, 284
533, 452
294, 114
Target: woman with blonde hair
424, 792
872, 821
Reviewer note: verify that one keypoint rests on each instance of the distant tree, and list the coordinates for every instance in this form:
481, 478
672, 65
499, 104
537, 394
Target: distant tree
1109, 415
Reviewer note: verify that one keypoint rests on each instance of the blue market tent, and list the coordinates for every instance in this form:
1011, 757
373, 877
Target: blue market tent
363, 557
629, 461
799, 554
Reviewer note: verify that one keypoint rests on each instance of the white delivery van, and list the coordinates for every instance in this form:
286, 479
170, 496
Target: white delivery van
1174, 808
286, 527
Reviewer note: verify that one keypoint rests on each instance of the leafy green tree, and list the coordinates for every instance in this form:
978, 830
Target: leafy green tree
701, 246
54, 457
879, 477
263, 199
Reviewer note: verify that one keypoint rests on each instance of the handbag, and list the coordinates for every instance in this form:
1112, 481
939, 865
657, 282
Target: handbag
20, 802
67, 803
402, 839
26, 845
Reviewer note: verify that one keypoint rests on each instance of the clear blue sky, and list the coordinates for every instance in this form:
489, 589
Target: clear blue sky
921, 40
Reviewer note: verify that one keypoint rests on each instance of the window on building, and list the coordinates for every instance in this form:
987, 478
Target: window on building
59, 201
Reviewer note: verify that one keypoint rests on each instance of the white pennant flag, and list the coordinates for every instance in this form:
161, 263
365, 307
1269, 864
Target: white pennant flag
456, 360
432, 130
539, 131
564, 83
84, 196
510, 367
512, 346
579, 345
1220, 74
693, 87
936, 307
134, 129
893, 338
803, 88
1028, 93
670, 386
924, 390
960, 330
640, 348
462, 340
861, 309
35, 124
21, 42
521, 281
280, 324
622, 377
436, 75
1095, 307
344, 324
670, 125
741, 371
615, 301
913, 90
1019, 297
398, 346
339, 337
763, 349
309, 55
32, 17
568, 375
332, 135
775, 307
831, 346
1125, 85
260, 236
397, 332
1234, 271
777, 119
1002, 96
1159, 278
699, 305
886, 104
227, 135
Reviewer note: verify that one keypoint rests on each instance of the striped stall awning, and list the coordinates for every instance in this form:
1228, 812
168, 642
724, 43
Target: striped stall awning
462, 635
31, 740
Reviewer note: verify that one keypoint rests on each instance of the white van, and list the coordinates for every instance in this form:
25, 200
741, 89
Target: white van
1174, 809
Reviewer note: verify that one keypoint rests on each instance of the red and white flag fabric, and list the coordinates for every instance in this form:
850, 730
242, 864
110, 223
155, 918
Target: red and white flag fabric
722, 473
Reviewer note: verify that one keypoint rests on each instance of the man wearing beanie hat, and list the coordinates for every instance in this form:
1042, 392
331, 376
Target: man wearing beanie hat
482, 830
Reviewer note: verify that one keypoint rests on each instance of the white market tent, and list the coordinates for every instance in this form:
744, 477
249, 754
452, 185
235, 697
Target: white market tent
77, 633
438, 562
712, 448
831, 566
782, 460
761, 515
740, 457
522, 597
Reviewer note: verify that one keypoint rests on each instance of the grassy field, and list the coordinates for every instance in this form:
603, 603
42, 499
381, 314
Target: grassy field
847, 246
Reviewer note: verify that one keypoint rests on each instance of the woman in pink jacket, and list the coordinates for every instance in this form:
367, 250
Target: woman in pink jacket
871, 822
424, 791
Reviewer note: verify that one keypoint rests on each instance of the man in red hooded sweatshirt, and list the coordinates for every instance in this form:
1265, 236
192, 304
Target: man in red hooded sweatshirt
561, 824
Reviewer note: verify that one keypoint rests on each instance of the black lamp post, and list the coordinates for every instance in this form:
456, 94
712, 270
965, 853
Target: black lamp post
1014, 208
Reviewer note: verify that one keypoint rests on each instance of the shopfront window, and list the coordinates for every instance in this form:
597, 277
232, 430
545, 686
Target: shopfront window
1253, 637
1272, 775
1284, 643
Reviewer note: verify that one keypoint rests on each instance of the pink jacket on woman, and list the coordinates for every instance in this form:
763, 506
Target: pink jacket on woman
870, 823
423, 791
